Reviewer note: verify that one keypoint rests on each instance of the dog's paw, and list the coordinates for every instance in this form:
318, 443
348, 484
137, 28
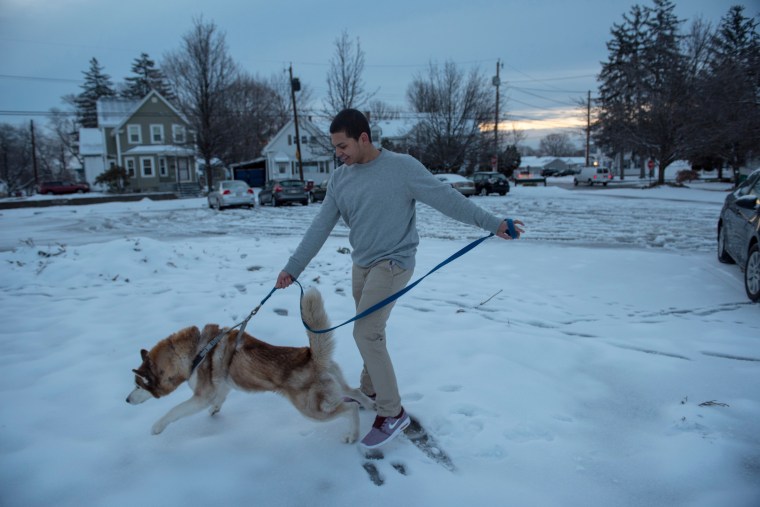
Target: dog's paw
158, 428
350, 438
214, 410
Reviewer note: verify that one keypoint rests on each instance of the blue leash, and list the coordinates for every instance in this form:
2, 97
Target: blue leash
204, 352
510, 230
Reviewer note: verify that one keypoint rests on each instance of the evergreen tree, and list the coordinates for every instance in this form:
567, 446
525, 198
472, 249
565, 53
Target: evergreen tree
730, 90
96, 85
621, 94
146, 77
642, 107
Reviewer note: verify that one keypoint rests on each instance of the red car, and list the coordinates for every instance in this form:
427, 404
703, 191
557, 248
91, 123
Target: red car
63, 187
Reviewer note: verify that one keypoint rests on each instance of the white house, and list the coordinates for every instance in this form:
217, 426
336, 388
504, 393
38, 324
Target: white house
317, 154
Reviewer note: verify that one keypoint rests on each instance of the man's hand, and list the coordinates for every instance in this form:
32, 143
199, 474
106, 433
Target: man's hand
503, 234
283, 280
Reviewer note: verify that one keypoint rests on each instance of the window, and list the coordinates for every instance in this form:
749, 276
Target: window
157, 134
146, 164
290, 139
130, 163
178, 134
163, 169
134, 134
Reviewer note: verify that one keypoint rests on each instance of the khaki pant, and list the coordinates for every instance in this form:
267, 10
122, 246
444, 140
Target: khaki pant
370, 286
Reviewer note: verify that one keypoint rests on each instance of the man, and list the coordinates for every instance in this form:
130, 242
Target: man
375, 192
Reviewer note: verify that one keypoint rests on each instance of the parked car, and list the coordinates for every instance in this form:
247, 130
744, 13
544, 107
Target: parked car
231, 193
460, 183
490, 182
739, 232
567, 172
548, 171
278, 192
526, 177
317, 192
63, 187
591, 175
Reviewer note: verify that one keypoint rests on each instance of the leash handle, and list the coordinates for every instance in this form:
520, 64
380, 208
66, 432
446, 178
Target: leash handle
511, 228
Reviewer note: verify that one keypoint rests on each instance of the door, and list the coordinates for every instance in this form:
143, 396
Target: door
183, 170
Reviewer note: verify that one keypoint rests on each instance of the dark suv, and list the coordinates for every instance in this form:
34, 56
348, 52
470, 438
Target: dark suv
490, 182
278, 192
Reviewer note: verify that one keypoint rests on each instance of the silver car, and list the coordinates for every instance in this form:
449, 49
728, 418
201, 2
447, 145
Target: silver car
460, 183
231, 193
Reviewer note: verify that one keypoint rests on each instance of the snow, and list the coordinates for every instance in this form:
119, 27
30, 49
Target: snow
569, 368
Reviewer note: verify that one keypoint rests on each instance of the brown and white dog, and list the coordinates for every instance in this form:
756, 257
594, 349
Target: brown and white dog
307, 376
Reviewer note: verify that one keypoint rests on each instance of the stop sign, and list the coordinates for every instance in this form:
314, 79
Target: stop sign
650, 164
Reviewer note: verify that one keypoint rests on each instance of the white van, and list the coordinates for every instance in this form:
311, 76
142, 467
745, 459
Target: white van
591, 175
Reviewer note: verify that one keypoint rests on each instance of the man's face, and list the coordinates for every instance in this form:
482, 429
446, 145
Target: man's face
348, 150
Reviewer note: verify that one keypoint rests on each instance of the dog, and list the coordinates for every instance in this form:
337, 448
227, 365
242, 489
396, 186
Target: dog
307, 376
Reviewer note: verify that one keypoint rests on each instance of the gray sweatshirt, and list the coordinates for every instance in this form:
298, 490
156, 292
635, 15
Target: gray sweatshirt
377, 201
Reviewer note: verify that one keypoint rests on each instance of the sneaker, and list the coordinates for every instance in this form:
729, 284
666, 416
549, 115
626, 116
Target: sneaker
385, 429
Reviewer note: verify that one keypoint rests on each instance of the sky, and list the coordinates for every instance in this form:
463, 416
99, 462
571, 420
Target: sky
606, 358
550, 49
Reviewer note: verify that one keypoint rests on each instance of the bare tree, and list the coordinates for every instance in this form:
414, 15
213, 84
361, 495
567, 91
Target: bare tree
201, 72
556, 145
452, 105
255, 111
345, 86
15, 156
380, 110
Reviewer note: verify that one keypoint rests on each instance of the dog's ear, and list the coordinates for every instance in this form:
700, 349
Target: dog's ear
143, 354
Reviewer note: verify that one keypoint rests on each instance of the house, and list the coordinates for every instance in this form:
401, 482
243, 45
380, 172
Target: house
317, 155
147, 137
537, 164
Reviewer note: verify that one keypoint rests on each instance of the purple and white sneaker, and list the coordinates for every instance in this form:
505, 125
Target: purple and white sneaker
385, 429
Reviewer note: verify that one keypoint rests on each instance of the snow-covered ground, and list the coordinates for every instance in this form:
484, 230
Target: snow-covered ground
606, 358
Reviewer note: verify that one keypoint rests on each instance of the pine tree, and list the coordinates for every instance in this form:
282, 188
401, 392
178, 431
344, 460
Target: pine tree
621, 94
731, 89
96, 85
644, 86
146, 77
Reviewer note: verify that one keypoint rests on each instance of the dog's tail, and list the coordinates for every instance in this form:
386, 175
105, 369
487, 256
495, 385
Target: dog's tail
314, 315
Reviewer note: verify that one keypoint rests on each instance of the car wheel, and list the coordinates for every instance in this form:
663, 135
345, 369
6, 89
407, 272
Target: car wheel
502, 193
722, 253
752, 273
305, 202
575, 182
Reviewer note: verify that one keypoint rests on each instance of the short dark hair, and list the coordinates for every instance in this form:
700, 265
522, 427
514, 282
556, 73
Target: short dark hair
352, 122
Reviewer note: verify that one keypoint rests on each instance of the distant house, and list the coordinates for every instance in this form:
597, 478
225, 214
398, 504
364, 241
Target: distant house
536, 164
148, 137
317, 155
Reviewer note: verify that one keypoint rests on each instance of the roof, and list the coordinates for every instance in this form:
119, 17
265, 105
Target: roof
112, 111
160, 149
91, 142
115, 111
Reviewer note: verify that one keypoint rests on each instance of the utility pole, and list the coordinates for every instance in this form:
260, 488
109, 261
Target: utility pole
295, 86
34, 154
496, 82
588, 129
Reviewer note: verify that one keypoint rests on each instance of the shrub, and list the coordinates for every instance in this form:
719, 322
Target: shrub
686, 176
116, 178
